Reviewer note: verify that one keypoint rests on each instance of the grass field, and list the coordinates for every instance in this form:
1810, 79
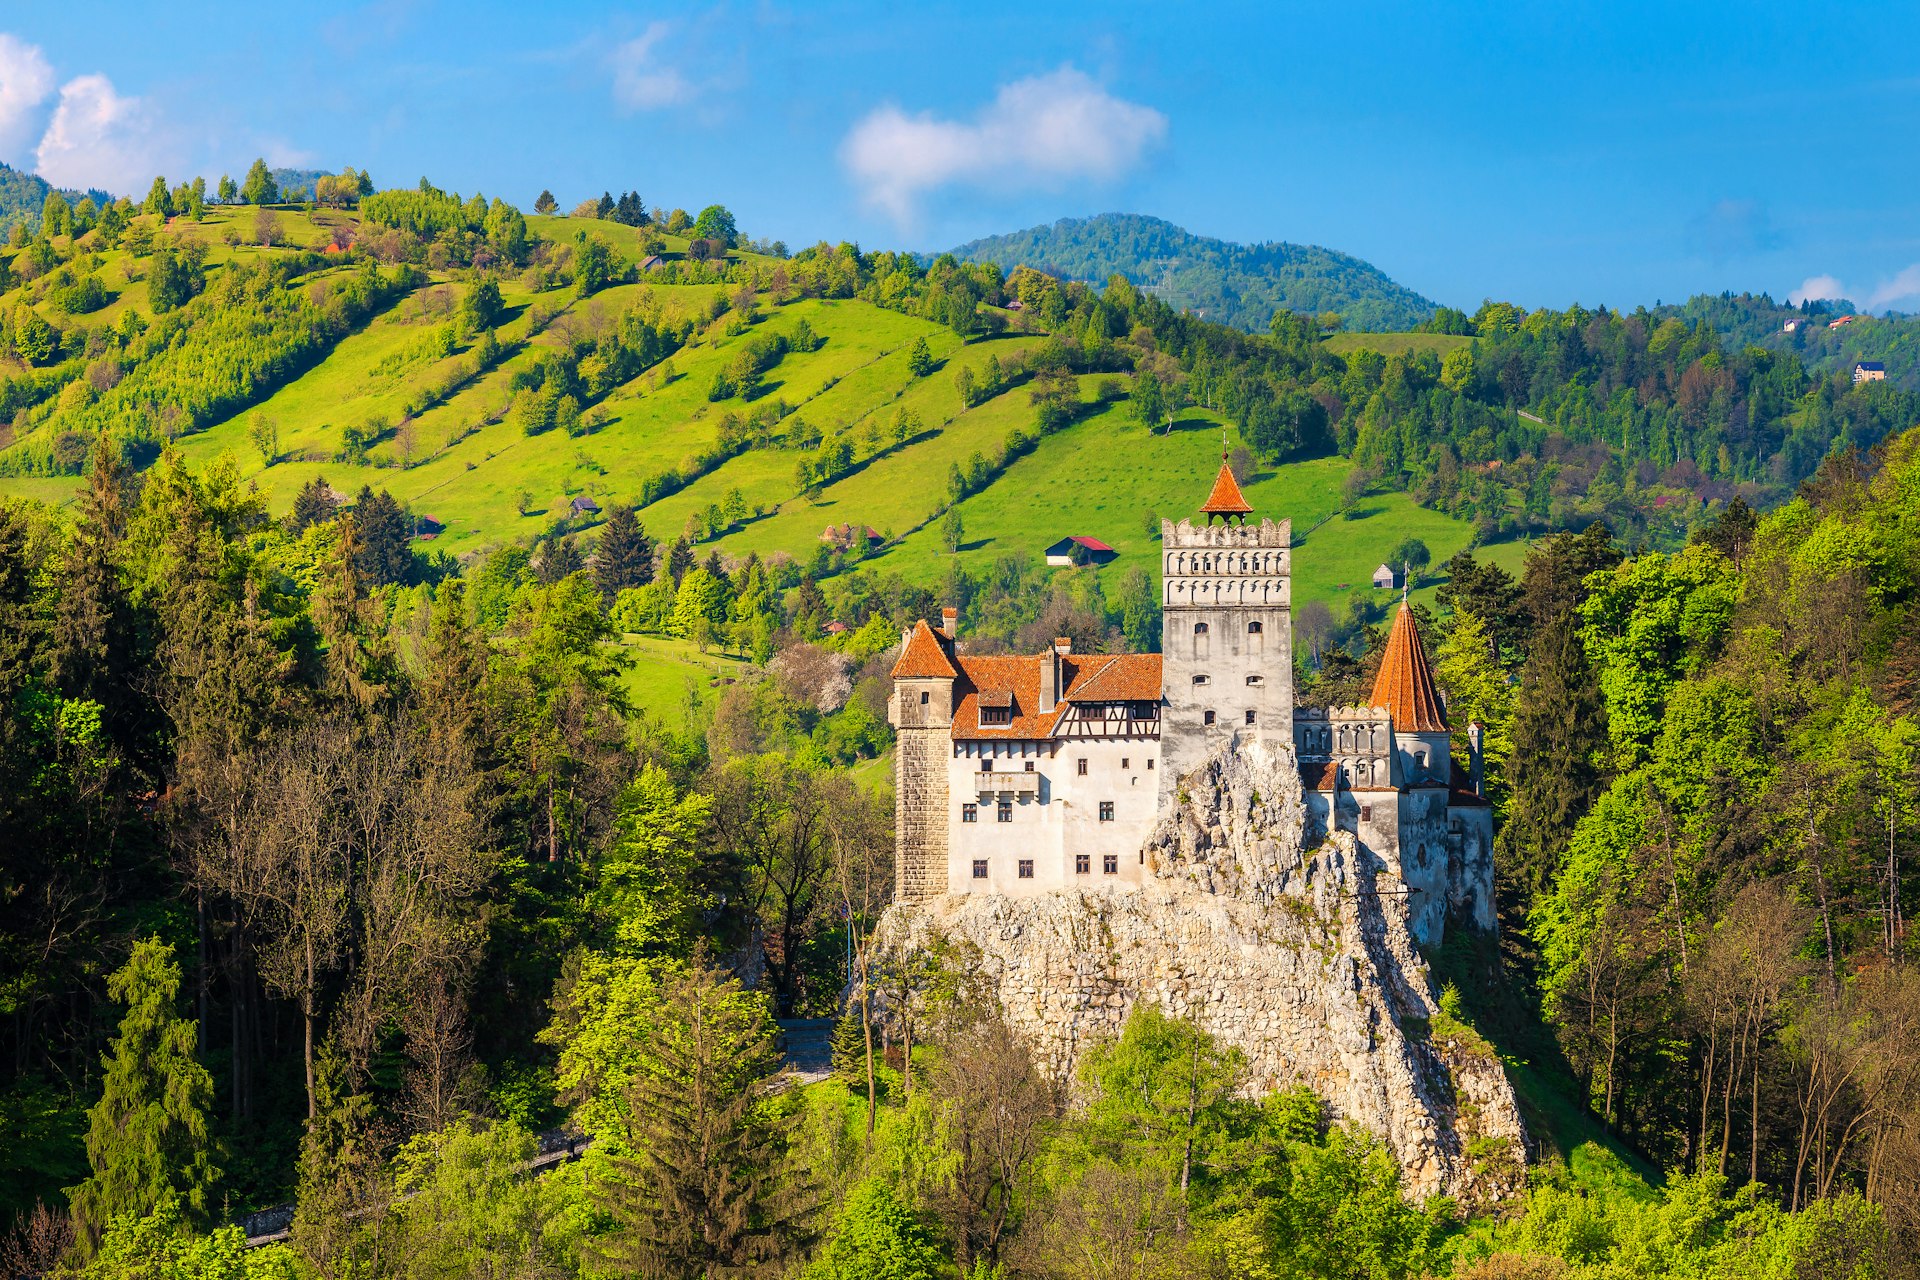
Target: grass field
669, 678
1393, 344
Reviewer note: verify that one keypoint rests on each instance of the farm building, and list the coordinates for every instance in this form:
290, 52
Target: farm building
1835, 324
857, 536
1384, 578
1078, 550
1869, 371
583, 506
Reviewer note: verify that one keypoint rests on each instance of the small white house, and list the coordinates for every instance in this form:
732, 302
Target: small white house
1794, 325
1385, 579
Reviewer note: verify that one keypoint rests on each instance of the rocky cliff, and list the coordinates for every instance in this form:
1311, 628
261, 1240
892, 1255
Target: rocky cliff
1299, 956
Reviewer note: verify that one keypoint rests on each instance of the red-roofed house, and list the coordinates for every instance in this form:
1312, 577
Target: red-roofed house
1078, 550
842, 537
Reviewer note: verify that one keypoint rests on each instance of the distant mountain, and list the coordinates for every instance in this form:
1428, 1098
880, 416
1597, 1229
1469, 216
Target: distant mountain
304, 179
1236, 284
23, 195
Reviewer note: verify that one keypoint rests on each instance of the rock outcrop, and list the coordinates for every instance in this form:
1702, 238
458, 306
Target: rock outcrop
1299, 956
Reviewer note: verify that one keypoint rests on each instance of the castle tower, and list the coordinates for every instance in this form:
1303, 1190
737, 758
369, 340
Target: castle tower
921, 711
1227, 638
1406, 689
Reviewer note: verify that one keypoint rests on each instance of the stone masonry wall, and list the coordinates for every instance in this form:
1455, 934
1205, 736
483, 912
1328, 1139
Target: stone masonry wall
1299, 956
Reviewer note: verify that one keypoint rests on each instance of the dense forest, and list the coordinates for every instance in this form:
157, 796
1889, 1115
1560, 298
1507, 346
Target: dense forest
1238, 285
344, 875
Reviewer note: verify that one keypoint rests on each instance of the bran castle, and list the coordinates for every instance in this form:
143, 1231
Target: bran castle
1023, 775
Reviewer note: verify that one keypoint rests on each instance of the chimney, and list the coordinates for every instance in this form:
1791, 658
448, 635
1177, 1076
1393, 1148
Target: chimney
950, 623
1053, 681
1476, 757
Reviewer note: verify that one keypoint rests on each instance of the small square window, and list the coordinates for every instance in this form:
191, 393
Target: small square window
1207, 717
1082, 863
1110, 864
1106, 811
1366, 813
1123, 762
1005, 811
1026, 868
1029, 766
1083, 766
1149, 764
1250, 715
924, 696
979, 868
986, 765
969, 813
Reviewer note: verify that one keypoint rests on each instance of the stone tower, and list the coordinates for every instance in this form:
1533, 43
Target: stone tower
921, 712
1227, 640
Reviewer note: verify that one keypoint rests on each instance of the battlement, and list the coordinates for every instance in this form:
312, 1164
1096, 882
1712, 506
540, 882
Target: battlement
1267, 533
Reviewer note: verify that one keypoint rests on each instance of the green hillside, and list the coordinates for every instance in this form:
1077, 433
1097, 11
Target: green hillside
464, 462
1234, 284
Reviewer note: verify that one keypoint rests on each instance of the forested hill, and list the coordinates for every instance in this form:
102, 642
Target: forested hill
1234, 284
24, 195
1830, 337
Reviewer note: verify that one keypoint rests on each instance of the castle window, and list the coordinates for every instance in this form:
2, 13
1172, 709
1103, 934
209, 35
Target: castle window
986, 764
1149, 764
1029, 766
1026, 868
1254, 628
969, 813
1207, 718
1082, 863
1255, 680
1250, 715
1004, 811
1106, 811
1199, 628
1083, 766
1202, 680
1366, 813
979, 868
923, 697
996, 715
1110, 864
1123, 762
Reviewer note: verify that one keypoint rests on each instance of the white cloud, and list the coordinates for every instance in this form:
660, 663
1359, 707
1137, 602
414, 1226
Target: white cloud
98, 138
1039, 132
26, 78
1903, 287
1815, 288
640, 82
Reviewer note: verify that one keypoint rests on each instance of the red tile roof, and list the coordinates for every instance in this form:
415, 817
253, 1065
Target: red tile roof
1225, 500
925, 657
1405, 684
1014, 682
1094, 544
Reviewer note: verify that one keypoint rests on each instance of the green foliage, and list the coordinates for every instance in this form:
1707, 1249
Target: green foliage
259, 186
162, 1246
716, 223
877, 1238
147, 1138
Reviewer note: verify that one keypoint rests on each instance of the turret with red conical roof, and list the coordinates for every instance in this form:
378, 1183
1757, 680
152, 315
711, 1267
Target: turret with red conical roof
1226, 501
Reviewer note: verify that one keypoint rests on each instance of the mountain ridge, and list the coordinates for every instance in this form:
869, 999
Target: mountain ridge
1241, 285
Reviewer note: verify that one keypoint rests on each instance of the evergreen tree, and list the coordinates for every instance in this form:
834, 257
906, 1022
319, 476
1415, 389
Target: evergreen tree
604, 209
385, 535
159, 201
710, 1188
95, 640
453, 689
259, 187
679, 560
544, 202
624, 558
314, 504
341, 1172
919, 358
560, 559
1557, 764
147, 1139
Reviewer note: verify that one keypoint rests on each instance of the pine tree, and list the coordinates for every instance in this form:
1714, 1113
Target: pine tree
1559, 745
544, 202
710, 1188
919, 358
624, 558
679, 560
604, 209
314, 504
147, 1138
341, 1172
560, 559
95, 640
385, 534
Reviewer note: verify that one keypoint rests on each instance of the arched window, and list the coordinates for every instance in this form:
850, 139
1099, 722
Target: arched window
1199, 628
1253, 628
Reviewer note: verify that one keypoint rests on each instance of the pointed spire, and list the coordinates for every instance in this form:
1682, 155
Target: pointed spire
1405, 684
1225, 500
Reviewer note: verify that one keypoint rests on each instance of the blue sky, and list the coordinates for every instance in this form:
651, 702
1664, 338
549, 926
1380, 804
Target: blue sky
1617, 153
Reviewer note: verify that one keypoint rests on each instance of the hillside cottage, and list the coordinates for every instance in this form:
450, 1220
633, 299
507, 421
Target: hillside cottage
1075, 549
1835, 324
583, 506
857, 537
1794, 325
1385, 579
1869, 371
